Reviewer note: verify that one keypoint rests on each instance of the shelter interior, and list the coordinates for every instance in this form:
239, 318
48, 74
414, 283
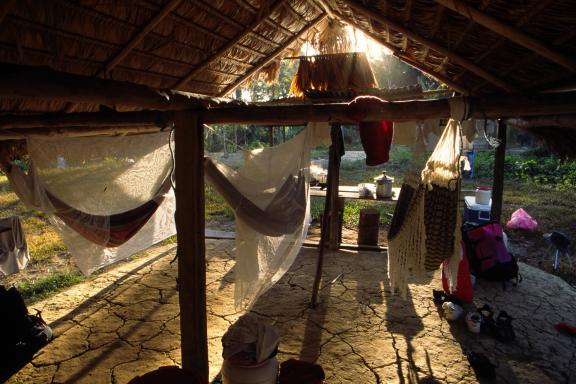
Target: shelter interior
103, 68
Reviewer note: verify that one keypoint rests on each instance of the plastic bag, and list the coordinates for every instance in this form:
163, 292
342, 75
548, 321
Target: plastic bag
522, 220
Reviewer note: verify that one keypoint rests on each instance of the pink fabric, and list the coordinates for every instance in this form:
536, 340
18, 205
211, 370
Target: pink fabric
522, 220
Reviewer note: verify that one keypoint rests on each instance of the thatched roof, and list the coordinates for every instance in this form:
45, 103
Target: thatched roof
210, 47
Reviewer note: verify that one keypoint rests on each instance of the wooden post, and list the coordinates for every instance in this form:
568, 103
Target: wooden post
334, 154
271, 135
336, 204
498, 184
189, 138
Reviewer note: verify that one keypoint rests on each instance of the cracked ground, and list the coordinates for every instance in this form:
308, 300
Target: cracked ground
125, 322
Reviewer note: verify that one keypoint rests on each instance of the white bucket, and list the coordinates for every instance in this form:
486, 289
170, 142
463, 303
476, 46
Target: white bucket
264, 373
483, 196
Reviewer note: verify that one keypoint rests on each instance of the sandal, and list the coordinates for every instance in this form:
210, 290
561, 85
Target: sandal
504, 330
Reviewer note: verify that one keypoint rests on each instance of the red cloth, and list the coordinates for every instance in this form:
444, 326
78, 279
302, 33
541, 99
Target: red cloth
565, 328
376, 136
464, 290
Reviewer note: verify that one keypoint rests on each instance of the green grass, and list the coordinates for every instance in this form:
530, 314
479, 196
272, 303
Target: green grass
41, 289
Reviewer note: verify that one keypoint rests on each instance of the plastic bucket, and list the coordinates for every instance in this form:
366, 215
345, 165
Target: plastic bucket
263, 373
483, 195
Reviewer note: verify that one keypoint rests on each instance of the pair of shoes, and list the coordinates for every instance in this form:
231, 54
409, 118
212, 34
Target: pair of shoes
504, 330
500, 328
474, 322
482, 366
452, 311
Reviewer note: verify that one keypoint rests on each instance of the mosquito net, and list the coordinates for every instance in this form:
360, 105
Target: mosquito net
109, 197
270, 197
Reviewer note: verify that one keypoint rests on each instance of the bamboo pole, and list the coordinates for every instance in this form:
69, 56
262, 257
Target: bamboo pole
513, 34
498, 183
189, 139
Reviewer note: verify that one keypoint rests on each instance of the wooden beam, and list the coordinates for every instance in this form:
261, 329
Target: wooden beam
563, 121
189, 141
165, 11
498, 183
72, 131
43, 83
511, 33
457, 59
272, 57
95, 119
222, 50
405, 58
494, 106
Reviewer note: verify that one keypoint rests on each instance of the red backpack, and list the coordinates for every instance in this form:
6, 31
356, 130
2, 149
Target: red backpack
487, 254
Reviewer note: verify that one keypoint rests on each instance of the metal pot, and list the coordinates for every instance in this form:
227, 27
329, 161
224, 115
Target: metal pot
383, 186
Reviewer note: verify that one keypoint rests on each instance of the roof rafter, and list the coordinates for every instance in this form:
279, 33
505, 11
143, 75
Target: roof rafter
274, 55
165, 11
510, 33
536, 9
250, 8
204, 64
452, 84
456, 58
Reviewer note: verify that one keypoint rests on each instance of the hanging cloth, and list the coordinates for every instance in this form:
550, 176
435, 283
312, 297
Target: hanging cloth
14, 254
425, 229
376, 136
270, 197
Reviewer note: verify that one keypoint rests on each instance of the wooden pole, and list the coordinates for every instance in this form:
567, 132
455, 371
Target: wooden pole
20, 81
511, 33
271, 135
332, 182
495, 106
336, 204
498, 183
189, 139
89, 120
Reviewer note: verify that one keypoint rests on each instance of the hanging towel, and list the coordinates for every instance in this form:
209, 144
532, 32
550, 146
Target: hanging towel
13, 248
376, 136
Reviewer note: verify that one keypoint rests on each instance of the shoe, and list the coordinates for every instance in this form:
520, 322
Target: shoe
452, 311
487, 324
504, 331
482, 366
440, 297
474, 322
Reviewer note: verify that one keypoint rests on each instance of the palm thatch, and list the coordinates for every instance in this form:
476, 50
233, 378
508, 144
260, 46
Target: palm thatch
212, 47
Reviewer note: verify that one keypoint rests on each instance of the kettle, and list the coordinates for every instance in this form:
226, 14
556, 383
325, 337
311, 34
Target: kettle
383, 186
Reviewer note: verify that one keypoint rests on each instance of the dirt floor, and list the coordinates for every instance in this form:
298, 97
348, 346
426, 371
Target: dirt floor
125, 322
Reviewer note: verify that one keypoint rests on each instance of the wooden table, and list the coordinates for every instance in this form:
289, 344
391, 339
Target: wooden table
336, 220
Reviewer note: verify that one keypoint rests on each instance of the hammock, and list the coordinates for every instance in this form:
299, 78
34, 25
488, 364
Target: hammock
121, 226
282, 216
270, 198
425, 228
108, 197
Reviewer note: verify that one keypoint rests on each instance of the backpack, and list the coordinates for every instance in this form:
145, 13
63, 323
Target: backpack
487, 254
